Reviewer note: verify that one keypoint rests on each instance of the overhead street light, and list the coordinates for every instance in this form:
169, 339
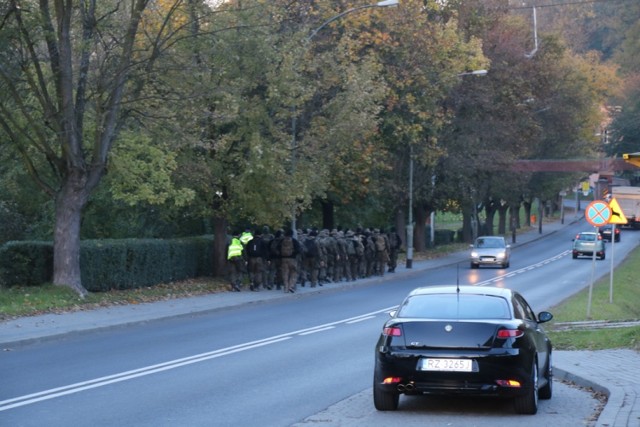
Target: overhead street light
385, 3
474, 73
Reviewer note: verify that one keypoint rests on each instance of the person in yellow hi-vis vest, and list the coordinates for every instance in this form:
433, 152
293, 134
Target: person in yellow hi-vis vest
236, 261
245, 237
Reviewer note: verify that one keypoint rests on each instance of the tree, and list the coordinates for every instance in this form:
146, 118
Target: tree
71, 75
625, 128
422, 59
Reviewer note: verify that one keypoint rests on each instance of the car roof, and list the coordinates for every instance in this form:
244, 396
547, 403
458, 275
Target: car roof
490, 237
464, 289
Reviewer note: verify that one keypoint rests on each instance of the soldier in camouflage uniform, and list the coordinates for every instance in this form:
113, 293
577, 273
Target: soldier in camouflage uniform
369, 253
382, 254
332, 253
322, 242
269, 271
395, 243
354, 261
341, 257
275, 258
312, 257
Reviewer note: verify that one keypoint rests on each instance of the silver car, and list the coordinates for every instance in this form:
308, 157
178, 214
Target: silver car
586, 243
490, 250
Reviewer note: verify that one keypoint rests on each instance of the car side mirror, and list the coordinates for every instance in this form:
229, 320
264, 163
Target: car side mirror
470, 246
544, 316
392, 313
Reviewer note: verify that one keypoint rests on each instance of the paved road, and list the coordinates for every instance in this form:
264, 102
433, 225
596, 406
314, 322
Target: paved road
613, 373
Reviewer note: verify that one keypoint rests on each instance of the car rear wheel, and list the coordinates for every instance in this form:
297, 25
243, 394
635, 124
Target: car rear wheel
384, 400
546, 391
528, 402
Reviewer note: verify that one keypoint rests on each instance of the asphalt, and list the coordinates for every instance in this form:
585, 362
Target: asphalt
613, 373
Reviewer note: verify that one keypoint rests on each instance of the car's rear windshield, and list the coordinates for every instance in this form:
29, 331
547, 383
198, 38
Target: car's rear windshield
453, 306
588, 237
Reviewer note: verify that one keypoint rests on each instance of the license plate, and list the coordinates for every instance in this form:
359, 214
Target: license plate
448, 365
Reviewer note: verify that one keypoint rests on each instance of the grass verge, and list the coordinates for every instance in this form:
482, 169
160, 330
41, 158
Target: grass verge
34, 300
623, 308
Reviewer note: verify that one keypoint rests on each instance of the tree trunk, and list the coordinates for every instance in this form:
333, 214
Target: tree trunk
66, 237
527, 213
327, 215
219, 246
401, 226
419, 230
490, 211
467, 226
502, 218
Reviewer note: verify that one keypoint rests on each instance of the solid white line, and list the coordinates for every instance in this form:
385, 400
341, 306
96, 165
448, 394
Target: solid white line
360, 320
317, 330
524, 269
173, 364
124, 376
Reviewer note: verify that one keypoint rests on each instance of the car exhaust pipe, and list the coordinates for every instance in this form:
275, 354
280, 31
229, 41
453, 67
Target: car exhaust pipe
406, 387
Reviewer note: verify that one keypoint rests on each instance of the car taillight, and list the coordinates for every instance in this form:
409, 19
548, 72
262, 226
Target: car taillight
510, 333
393, 331
509, 383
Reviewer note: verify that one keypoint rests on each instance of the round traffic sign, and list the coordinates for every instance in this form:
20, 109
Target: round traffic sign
598, 213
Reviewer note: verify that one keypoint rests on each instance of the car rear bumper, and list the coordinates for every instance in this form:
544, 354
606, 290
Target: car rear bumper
488, 379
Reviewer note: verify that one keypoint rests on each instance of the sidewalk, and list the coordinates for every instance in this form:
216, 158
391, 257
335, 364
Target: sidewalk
614, 373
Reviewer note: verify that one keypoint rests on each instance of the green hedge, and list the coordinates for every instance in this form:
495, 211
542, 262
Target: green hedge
27, 263
112, 264
441, 236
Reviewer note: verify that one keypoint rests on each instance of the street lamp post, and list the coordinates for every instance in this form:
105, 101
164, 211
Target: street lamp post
409, 263
384, 3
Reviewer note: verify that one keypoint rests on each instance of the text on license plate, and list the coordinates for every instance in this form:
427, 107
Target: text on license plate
450, 365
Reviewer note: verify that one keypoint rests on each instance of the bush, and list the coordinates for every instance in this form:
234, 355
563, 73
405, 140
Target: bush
26, 263
441, 236
444, 237
112, 264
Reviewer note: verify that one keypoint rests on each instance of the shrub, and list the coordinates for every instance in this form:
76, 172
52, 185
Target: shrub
26, 263
112, 264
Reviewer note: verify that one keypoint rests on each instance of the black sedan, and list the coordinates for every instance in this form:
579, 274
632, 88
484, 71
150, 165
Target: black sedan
464, 340
606, 231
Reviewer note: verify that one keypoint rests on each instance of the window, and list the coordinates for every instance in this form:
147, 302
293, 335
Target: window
454, 306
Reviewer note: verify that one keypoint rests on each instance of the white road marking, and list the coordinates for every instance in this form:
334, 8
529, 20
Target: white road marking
173, 364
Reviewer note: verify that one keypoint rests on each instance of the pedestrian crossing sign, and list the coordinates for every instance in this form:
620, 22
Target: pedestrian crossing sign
617, 216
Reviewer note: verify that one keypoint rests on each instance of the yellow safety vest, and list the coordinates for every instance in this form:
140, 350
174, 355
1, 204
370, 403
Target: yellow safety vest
245, 237
235, 248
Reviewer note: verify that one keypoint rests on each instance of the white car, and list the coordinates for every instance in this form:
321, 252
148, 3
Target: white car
490, 250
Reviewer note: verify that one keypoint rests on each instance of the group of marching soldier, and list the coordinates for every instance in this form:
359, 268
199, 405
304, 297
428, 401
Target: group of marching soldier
314, 257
